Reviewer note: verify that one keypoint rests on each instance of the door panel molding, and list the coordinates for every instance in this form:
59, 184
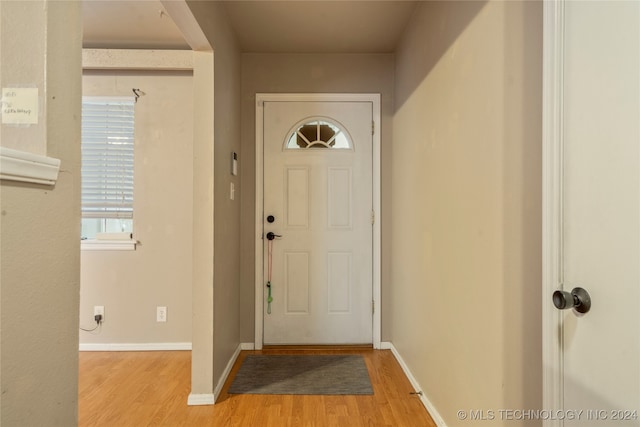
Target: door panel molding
552, 164
259, 149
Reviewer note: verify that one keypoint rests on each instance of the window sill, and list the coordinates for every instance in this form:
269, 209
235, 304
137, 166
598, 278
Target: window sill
108, 245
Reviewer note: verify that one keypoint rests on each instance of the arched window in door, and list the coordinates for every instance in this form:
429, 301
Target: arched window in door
318, 132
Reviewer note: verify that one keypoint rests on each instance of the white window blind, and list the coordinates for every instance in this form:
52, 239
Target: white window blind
107, 157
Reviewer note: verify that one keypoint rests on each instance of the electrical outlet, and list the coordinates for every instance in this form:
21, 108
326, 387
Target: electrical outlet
161, 314
98, 310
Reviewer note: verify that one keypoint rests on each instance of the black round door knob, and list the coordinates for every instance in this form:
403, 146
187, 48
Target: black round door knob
578, 299
270, 219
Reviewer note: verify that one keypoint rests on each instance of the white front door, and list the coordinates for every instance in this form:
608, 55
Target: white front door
595, 379
318, 198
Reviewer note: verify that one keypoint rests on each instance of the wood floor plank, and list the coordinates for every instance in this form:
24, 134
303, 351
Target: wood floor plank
121, 389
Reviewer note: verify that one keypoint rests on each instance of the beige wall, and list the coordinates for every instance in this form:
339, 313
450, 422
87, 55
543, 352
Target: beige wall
212, 19
466, 226
131, 284
39, 225
308, 73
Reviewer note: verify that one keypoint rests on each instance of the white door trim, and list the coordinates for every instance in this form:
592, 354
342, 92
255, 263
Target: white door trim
259, 279
552, 197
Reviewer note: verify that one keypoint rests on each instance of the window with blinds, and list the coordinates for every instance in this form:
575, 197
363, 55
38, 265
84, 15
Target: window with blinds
107, 165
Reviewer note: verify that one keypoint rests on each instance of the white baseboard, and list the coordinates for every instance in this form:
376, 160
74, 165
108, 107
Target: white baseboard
210, 399
226, 372
200, 399
156, 346
414, 383
247, 346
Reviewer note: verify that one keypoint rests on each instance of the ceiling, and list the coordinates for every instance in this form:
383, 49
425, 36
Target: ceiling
262, 26
122, 24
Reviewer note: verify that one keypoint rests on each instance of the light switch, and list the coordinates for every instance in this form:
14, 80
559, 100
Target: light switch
232, 192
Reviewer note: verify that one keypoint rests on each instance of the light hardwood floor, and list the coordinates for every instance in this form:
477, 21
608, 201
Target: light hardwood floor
151, 389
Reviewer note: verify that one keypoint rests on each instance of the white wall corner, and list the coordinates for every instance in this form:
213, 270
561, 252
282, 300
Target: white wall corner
414, 383
200, 399
226, 372
16, 165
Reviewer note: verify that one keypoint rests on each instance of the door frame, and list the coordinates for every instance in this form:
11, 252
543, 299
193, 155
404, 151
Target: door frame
552, 206
261, 98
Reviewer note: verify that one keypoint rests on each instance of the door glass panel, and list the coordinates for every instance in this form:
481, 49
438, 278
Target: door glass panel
318, 133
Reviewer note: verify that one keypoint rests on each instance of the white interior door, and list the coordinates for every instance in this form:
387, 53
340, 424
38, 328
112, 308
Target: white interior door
318, 197
598, 237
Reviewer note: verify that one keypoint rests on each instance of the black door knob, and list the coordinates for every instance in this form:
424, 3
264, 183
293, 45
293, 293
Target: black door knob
577, 299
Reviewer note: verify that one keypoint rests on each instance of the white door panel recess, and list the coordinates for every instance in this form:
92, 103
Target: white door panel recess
592, 213
318, 196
